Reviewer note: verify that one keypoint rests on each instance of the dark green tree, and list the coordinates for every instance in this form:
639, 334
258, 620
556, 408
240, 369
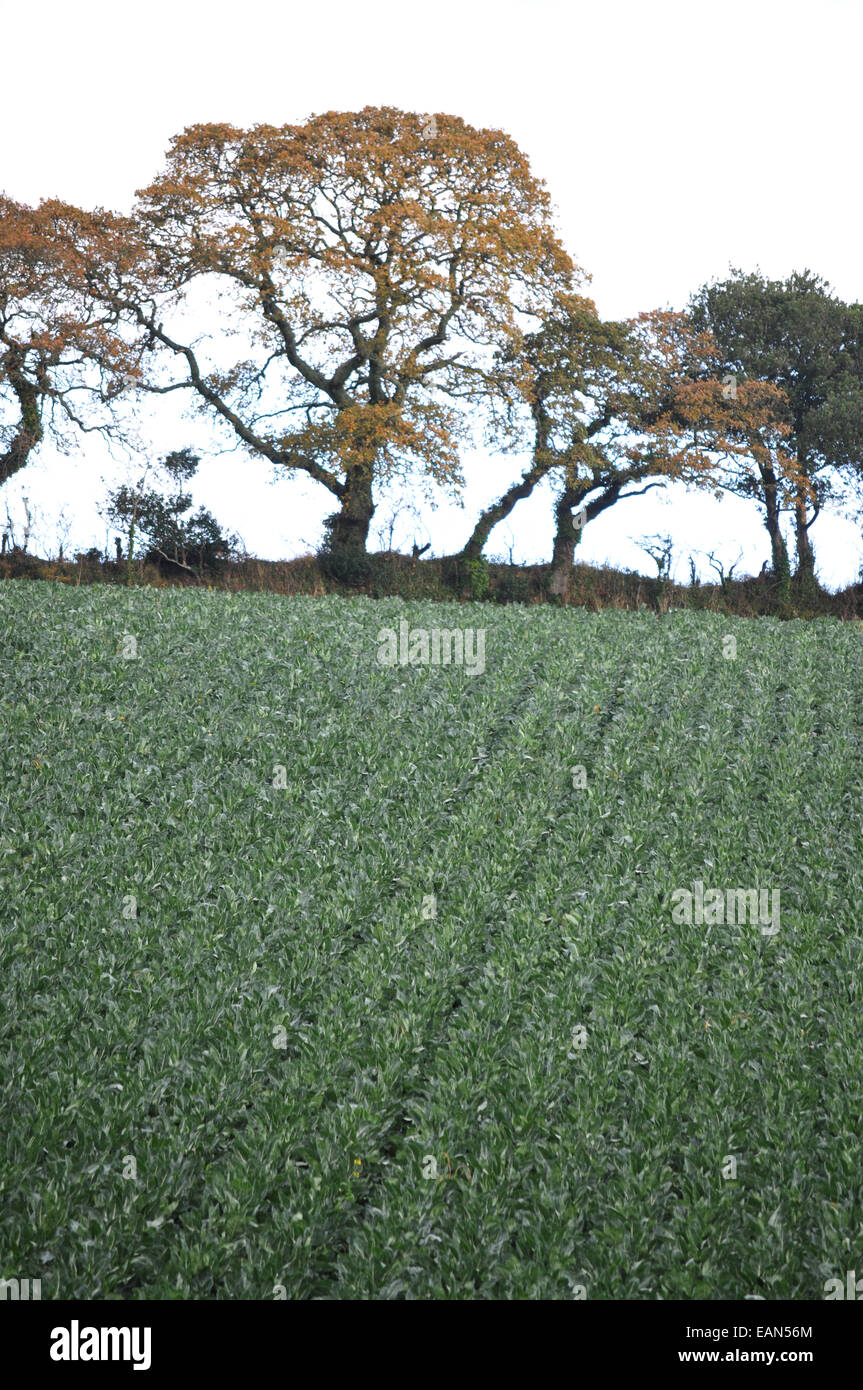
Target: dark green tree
160, 520
796, 335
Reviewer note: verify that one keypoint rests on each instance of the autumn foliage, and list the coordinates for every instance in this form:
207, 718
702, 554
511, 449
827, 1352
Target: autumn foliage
608, 405
365, 266
63, 365
352, 298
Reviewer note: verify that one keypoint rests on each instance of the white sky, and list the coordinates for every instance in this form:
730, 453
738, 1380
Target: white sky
676, 139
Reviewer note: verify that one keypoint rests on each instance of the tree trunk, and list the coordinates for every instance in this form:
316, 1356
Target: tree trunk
29, 431
349, 527
805, 571
568, 533
566, 538
500, 510
778, 549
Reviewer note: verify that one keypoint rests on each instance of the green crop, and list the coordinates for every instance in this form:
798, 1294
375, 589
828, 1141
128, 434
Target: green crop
331, 979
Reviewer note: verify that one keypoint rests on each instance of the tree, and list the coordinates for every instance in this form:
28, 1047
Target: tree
370, 262
171, 536
650, 417
62, 362
615, 409
570, 355
797, 336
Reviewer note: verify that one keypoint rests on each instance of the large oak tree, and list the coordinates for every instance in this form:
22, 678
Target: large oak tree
368, 265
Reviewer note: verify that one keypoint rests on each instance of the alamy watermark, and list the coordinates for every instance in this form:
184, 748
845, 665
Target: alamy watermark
852, 1289
714, 906
422, 646
76, 1343
20, 1289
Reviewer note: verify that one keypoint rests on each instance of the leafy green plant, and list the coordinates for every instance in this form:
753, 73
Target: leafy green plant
282, 924
477, 576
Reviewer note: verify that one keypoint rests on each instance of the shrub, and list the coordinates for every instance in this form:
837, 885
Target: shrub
512, 587
350, 565
477, 577
172, 539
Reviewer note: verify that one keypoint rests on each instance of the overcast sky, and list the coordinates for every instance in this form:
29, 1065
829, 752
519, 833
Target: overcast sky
676, 139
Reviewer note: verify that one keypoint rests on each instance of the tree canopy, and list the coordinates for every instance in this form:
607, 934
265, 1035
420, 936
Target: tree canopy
350, 297
612, 405
63, 364
368, 263
798, 337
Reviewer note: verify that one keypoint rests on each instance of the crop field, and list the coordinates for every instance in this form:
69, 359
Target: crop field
327, 978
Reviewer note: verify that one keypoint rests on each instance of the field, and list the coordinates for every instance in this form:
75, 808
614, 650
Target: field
323, 978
